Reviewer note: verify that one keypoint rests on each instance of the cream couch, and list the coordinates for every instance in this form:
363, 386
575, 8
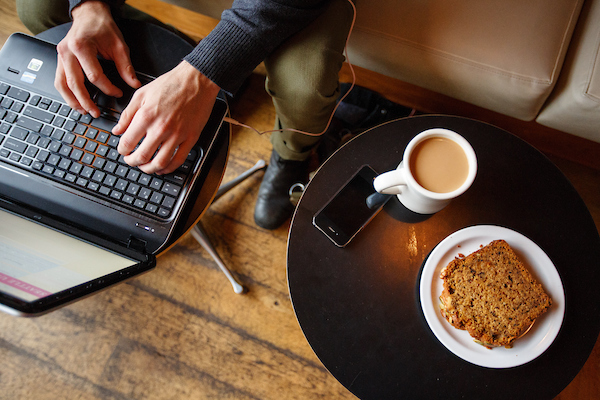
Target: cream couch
528, 59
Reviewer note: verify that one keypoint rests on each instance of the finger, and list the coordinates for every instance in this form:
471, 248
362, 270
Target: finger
94, 73
74, 79
161, 159
148, 151
127, 71
119, 53
128, 144
178, 159
60, 83
132, 133
127, 115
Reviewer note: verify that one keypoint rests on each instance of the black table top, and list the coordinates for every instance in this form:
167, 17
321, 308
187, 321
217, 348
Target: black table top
359, 306
155, 50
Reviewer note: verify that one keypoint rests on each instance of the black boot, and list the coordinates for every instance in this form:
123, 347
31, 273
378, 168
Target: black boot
273, 206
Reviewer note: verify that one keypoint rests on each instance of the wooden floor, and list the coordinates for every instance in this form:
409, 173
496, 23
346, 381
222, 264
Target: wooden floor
179, 332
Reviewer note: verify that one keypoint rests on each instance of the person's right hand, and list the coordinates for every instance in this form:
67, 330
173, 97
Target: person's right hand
94, 32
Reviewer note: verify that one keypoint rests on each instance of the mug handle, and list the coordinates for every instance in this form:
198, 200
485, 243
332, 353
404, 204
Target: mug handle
390, 182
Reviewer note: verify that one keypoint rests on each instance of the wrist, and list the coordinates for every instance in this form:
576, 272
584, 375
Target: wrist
201, 81
90, 7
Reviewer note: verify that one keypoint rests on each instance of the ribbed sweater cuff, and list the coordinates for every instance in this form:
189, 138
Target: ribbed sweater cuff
227, 56
113, 4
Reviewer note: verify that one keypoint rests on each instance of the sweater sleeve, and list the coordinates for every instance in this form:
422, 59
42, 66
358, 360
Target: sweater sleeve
112, 3
247, 33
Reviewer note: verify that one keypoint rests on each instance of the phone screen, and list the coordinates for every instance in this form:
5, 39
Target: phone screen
347, 212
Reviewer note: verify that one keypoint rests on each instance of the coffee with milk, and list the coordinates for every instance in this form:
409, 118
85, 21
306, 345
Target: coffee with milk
439, 164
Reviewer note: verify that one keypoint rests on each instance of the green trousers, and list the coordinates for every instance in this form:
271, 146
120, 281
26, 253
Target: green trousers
302, 74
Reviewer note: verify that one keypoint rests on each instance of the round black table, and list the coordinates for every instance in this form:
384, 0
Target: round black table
155, 50
359, 306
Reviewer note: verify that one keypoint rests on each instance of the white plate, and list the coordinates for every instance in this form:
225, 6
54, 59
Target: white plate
459, 342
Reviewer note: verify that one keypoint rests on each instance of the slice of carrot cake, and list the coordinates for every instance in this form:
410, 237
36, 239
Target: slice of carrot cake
492, 295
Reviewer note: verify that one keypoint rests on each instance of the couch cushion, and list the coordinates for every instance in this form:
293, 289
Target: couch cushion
574, 106
501, 55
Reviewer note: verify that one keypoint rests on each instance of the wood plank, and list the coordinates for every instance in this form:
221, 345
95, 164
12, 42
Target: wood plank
10, 22
194, 25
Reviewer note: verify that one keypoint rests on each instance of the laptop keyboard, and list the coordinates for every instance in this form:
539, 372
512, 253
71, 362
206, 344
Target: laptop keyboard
48, 137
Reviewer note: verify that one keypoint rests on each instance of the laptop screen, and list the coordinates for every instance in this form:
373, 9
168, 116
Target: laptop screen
38, 262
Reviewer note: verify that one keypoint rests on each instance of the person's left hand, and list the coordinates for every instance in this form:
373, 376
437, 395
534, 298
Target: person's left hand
169, 114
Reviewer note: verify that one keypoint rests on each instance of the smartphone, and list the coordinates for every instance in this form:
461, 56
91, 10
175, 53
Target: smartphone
347, 212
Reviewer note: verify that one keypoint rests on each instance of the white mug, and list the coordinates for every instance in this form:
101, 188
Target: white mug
438, 165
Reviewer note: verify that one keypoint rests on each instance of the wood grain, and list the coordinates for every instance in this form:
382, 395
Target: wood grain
179, 331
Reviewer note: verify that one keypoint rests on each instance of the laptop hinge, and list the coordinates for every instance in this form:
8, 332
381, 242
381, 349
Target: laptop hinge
136, 244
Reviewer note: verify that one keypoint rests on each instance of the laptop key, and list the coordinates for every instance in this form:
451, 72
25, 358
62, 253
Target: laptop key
17, 107
44, 142
64, 111
103, 124
31, 151
121, 184
110, 167
33, 138
171, 189
35, 99
15, 145
81, 182
38, 114
76, 154
30, 124
168, 202
87, 158
71, 178
7, 103
69, 138
43, 155
176, 177
18, 94
19, 133
145, 193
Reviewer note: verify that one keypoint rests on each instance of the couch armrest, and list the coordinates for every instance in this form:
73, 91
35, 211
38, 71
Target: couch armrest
574, 106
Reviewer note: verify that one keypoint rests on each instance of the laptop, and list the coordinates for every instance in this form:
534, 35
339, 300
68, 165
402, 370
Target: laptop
74, 217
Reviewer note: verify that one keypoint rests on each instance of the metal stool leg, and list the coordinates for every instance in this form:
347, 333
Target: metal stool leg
201, 237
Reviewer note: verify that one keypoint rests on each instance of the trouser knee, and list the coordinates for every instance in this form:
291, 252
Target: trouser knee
302, 78
37, 16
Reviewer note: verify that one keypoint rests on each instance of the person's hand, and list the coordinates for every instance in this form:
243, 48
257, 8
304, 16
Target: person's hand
169, 114
93, 33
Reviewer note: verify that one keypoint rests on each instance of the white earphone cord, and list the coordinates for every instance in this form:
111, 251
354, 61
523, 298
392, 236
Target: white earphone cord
235, 122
